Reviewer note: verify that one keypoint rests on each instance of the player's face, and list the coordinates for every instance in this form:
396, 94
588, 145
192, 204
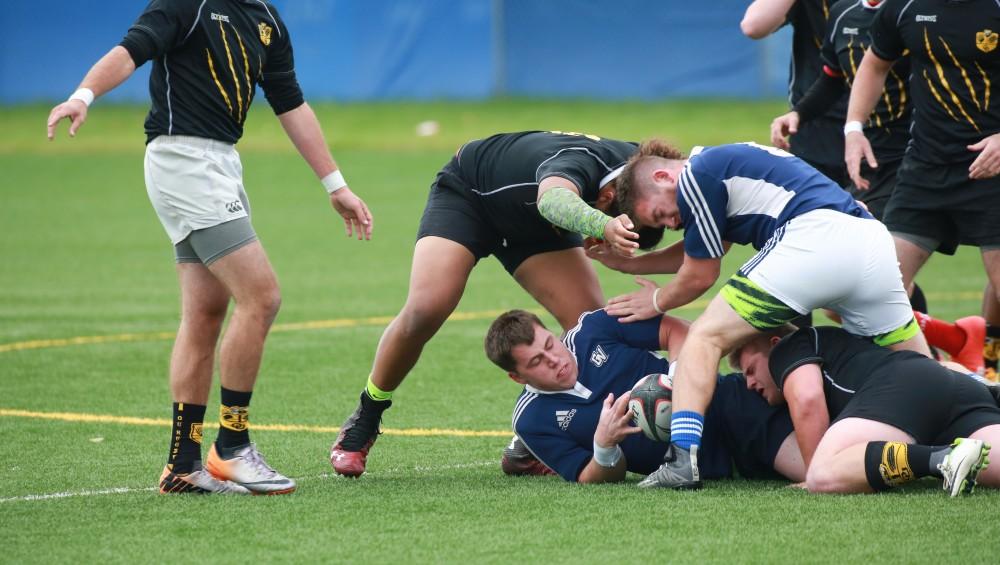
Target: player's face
656, 204
545, 363
754, 363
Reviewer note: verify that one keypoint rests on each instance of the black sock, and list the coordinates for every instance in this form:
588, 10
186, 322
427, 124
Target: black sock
234, 418
924, 459
991, 349
892, 463
185, 437
918, 301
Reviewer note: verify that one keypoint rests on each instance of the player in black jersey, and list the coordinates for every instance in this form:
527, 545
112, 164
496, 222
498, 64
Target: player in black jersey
208, 58
819, 141
947, 191
527, 198
868, 418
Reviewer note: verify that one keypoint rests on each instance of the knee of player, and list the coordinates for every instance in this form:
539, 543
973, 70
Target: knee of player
420, 318
820, 480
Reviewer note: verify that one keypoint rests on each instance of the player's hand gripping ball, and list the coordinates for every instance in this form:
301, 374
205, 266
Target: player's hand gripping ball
650, 404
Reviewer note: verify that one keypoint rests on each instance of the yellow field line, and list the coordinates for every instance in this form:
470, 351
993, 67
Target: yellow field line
78, 417
339, 323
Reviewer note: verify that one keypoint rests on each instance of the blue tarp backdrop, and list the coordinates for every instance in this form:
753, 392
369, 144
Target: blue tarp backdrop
432, 49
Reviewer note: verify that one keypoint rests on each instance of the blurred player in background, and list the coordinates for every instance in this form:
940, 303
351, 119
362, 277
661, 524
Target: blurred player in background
208, 58
527, 198
947, 191
868, 418
573, 413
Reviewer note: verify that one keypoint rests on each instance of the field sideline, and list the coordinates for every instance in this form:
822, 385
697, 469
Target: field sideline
89, 305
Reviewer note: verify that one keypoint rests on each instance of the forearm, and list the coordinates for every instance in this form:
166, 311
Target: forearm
811, 421
594, 473
693, 278
565, 208
764, 17
867, 87
111, 70
820, 97
304, 131
665, 261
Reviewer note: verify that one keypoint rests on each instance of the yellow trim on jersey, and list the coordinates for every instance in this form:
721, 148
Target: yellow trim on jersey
246, 70
965, 76
902, 93
222, 91
986, 85
944, 80
938, 96
232, 70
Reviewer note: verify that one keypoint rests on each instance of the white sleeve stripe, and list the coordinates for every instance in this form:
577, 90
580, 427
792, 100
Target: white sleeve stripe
833, 32
703, 219
277, 28
584, 149
706, 210
903, 11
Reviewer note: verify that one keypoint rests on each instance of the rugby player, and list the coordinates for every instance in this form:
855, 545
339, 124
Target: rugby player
819, 140
947, 190
208, 58
868, 418
527, 198
817, 248
573, 413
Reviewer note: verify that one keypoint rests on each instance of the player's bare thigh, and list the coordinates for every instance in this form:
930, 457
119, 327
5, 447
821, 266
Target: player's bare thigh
564, 282
990, 476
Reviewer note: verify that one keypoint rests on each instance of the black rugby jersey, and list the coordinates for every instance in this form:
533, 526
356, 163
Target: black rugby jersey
820, 140
844, 46
504, 170
847, 361
955, 64
208, 56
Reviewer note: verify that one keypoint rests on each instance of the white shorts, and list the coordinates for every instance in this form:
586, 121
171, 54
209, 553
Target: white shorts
826, 259
193, 183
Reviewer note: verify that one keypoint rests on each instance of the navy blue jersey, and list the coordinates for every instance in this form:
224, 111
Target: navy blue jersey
558, 427
744, 192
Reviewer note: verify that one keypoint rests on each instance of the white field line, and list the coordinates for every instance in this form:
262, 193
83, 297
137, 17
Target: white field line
128, 490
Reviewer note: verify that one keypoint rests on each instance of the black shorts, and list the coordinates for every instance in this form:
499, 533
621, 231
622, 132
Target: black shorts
750, 431
881, 182
926, 400
453, 212
942, 203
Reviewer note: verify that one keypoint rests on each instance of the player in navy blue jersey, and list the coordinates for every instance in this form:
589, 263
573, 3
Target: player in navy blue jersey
573, 413
208, 58
867, 418
817, 248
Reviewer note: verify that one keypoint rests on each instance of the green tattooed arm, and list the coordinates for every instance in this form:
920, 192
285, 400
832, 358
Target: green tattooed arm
566, 209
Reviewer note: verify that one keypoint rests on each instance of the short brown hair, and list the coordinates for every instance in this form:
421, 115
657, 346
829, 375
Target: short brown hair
763, 337
627, 188
516, 327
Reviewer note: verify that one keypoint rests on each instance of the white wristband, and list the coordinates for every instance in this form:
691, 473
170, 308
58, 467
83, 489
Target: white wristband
84, 95
854, 126
656, 296
607, 456
333, 182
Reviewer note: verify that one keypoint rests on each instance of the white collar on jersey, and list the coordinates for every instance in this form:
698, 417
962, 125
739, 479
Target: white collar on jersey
696, 150
615, 173
577, 390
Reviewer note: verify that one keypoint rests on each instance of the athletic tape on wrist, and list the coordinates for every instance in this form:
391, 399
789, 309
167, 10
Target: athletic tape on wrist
656, 306
607, 456
84, 95
854, 126
333, 182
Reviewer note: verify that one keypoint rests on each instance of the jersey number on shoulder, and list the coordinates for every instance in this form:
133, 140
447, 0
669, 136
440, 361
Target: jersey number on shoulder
578, 134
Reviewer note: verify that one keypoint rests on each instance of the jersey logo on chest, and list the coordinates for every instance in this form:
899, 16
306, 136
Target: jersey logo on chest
265, 33
849, 30
598, 356
986, 40
564, 417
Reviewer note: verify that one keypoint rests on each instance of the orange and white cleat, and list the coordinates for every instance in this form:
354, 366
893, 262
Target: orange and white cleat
246, 467
198, 481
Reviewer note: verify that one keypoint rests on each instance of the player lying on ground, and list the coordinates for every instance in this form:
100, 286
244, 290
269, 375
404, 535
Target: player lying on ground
524, 197
817, 248
868, 418
573, 414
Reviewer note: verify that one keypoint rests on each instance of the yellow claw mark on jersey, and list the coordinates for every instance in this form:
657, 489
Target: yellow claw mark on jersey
232, 70
937, 96
986, 86
901, 84
576, 133
944, 81
215, 77
246, 71
965, 75
874, 117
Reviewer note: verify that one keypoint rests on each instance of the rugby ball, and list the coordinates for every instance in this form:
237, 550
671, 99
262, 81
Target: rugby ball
650, 404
